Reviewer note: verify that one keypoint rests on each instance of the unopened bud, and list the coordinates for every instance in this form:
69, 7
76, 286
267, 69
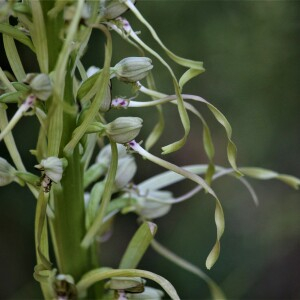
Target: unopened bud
40, 85
124, 129
149, 293
128, 284
70, 11
132, 69
7, 172
125, 172
114, 8
149, 204
106, 102
104, 156
92, 70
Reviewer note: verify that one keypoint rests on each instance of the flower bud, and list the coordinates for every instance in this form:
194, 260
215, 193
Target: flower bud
64, 287
149, 293
132, 69
106, 102
104, 156
149, 204
125, 172
7, 172
70, 11
126, 165
124, 129
130, 284
114, 8
52, 167
92, 70
40, 85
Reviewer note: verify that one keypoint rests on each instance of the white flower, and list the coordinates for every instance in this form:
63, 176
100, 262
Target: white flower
52, 167
92, 70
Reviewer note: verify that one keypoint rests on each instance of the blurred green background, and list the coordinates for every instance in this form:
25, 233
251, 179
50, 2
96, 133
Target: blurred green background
250, 50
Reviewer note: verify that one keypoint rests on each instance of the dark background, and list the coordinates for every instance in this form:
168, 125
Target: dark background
251, 53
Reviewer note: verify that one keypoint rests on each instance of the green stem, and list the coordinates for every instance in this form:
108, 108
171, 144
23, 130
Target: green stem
69, 221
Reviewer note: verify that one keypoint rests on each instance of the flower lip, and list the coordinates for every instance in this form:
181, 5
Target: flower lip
52, 168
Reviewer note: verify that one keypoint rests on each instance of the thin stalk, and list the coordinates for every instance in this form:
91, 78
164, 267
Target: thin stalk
17, 116
109, 183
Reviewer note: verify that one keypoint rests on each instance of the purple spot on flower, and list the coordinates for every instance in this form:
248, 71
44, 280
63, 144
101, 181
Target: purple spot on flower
30, 100
132, 143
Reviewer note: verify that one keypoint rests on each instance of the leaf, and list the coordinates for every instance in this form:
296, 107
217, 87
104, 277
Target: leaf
188, 75
138, 245
231, 148
220, 224
104, 273
22, 8
11, 97
109, 183
156, 131
17, 35
219, 216
21, 87
94, 200
215, 290
88, 88
264, 174
197, 65
39, 35
181, 109
128, 284
207, 142
41, 236
28, 177
93, 173
13, 57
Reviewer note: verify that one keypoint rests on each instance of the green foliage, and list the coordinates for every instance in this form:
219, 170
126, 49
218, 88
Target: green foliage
71, 106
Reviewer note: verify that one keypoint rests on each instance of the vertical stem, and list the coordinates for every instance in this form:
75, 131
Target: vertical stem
68, 226
69, 222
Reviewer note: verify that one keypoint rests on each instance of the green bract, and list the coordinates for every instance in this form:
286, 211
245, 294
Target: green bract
7, 172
